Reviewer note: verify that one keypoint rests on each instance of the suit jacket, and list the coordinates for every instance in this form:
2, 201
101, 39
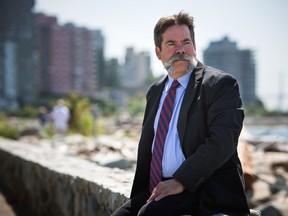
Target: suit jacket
209, 124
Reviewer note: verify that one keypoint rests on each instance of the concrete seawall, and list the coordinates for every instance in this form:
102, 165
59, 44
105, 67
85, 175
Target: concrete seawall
45, 182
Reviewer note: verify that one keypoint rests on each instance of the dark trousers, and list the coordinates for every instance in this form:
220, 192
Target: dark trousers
183, 203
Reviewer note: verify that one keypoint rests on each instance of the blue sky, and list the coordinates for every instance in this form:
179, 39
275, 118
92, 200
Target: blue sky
260, 25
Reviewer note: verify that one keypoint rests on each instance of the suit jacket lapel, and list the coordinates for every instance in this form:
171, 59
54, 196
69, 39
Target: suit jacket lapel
156, 95
153, 102
187, 100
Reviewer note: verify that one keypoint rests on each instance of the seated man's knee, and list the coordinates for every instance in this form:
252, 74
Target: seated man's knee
148, 210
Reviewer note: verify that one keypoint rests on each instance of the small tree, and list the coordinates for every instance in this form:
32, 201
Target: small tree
81, 120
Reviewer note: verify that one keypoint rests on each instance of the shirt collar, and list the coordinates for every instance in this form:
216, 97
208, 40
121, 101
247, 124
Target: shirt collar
183, 80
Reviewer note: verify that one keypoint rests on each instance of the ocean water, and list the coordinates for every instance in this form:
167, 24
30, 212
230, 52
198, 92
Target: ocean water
277, 131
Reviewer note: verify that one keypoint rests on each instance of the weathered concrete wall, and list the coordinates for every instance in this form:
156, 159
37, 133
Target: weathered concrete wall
43, 182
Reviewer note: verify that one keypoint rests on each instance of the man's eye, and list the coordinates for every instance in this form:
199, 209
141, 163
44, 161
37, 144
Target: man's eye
170, 44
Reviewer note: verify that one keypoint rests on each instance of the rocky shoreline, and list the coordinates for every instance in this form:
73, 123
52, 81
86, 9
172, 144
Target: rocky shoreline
265, 161
265, 164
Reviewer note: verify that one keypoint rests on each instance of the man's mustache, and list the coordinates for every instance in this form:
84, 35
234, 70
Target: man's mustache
177, 57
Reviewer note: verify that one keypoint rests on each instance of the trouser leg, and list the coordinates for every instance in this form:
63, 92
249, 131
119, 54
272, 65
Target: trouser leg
183, 203
132, 206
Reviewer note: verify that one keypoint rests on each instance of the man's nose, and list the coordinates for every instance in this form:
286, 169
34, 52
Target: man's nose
180, 49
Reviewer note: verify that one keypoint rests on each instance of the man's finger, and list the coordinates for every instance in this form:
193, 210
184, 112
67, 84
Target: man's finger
162, 195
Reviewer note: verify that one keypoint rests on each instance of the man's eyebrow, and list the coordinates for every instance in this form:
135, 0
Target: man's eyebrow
174, 41
170, 41
186, 39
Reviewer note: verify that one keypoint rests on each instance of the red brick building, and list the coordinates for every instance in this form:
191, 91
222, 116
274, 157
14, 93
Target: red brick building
66, 57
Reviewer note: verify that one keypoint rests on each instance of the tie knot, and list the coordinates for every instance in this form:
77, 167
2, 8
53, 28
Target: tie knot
175, 84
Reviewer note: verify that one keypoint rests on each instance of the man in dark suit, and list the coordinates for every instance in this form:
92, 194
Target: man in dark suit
200, 172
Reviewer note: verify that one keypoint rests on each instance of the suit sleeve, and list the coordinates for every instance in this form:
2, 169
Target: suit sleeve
224, 118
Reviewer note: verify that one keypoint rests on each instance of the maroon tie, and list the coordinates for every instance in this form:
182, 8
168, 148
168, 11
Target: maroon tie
161, 133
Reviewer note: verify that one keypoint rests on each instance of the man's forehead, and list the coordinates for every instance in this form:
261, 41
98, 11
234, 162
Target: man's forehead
177, 33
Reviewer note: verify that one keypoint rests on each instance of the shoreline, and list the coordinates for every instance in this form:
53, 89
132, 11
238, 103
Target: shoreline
266, 120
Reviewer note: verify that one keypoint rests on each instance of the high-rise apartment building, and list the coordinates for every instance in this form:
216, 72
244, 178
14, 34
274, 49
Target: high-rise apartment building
225, 55
61, 59
88, 58
54, 55
68, 57
98, 46
136, 69
43, 31
17, 74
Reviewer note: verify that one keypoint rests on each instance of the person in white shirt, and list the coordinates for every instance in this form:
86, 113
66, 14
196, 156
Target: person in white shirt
60, 116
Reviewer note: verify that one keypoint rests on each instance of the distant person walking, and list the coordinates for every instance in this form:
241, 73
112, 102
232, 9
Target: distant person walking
43, 116
60, 116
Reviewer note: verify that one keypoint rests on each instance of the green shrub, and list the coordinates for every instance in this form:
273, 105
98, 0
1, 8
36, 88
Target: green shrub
86, 123
26, 111
82, 120
6, 130
47, 131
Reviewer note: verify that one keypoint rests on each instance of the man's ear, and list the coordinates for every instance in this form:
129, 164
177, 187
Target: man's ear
158, 52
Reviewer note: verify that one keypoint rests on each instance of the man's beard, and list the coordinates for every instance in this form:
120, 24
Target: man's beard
191, 62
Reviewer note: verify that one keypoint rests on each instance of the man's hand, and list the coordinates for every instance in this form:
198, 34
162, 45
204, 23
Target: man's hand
166, 188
